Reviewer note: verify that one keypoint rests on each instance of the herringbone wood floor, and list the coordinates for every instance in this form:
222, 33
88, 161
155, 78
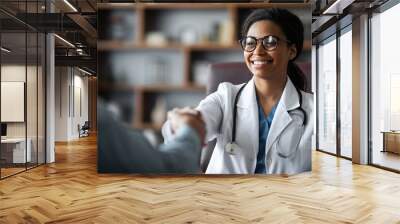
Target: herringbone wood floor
70, 191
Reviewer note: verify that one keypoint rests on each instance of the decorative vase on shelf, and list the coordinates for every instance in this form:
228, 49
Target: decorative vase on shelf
188, 36
201, 72
226, 33
121, 25
156, 39
156, 72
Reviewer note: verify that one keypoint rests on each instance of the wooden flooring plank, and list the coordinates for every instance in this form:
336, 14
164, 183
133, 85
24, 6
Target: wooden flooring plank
71, 191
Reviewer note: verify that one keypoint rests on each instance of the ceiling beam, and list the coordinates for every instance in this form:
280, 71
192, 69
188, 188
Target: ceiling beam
82, 61
84, 24
337, 7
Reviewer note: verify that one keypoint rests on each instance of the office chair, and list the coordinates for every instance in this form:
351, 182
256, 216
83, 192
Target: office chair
84, 130
235, 73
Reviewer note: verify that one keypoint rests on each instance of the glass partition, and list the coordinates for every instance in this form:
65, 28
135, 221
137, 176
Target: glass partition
31, 99
41, 88
14, 153
22, 87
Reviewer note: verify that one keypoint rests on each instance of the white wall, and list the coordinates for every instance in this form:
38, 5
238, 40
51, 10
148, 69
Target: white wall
16, 73
71, 94
33, 126
61, 103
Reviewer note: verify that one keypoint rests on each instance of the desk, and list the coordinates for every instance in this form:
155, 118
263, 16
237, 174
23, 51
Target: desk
391, 141
15, 148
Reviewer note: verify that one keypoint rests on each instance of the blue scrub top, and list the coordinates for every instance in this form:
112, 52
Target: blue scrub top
264, 126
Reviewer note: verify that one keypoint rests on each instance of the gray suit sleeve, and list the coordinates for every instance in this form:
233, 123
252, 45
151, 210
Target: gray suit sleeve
182, 153
122, 149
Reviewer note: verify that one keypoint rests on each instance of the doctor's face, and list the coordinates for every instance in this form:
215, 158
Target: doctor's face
268, 63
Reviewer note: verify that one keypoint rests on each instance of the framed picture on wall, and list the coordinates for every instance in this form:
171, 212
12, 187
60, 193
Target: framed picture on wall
12, 101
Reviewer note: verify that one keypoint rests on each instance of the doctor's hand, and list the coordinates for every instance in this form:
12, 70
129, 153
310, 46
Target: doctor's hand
188, 116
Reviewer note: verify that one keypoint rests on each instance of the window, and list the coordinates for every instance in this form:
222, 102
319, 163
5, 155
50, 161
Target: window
326, 133
385, 89
346, 92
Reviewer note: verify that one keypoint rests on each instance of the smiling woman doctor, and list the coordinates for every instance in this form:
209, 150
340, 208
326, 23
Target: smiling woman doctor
265, 125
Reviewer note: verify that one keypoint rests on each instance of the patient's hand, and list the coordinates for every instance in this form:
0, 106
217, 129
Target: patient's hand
192, 117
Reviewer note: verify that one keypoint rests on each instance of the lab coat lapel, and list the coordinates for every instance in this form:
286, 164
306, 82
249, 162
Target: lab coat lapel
248, 115
289, 100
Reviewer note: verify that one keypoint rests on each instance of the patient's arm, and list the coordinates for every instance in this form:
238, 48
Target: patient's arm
123, 149
182, 153
211, 110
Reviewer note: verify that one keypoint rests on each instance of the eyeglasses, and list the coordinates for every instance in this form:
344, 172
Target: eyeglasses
269, 43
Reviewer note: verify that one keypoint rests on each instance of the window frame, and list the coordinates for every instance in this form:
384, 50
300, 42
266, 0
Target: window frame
337, 34
379, 10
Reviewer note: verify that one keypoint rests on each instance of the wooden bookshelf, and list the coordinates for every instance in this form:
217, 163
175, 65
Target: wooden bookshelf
121, 46
107, 6
148, 17
125, 45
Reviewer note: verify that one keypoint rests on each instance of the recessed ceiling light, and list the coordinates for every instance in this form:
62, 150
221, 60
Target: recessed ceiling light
5, 50
70, 5
337, 7
65, 41
84, 71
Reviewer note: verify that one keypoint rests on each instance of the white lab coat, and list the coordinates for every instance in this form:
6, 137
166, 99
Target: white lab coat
217, 112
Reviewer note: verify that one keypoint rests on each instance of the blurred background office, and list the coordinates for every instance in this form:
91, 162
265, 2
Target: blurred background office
154, 57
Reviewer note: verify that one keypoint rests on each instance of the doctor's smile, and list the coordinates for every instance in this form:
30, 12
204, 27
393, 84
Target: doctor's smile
262, 126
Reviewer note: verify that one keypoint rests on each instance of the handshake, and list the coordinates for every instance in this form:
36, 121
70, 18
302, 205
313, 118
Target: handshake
181, 116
